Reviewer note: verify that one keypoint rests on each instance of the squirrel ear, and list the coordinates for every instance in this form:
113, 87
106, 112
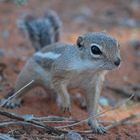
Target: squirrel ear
80, 41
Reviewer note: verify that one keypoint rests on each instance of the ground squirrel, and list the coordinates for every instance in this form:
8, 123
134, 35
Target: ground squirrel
62, 66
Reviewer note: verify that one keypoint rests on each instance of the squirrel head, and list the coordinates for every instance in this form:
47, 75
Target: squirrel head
100, 49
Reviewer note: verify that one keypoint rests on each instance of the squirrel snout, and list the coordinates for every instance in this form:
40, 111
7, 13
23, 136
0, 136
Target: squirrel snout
117, 61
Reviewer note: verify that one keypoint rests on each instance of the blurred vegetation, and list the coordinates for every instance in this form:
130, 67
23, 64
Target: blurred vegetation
17, 2
20, 2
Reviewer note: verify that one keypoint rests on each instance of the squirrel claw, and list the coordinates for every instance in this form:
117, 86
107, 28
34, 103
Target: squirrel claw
65, 109
97, 128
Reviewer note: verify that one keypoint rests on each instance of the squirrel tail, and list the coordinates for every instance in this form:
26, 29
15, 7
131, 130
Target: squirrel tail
55, 22
41, 31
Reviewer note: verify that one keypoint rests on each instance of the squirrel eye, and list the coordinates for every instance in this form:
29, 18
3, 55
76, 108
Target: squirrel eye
95, 50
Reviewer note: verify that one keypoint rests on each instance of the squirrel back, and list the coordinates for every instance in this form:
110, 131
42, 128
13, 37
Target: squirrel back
41, 31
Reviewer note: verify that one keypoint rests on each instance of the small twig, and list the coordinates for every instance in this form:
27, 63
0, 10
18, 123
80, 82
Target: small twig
9, 123
59, 122
55, 119
121, 122
52, 118
5, 137
61, 137
16, 93
133, 122
135, 86
48, 128
125, 91
124, 121
99, 114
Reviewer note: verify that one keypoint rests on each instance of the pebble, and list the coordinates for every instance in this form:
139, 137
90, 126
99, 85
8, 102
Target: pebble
5, 34
74, 136
2, 52
130, 22
104, 101
135, 43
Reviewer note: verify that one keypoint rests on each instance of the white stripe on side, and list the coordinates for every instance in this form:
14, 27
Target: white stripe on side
48, 55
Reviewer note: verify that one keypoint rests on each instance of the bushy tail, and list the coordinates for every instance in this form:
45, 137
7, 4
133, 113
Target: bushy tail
55, 22
41, 31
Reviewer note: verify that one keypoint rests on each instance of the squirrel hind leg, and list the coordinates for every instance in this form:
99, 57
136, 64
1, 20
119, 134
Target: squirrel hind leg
16, 97
19, 90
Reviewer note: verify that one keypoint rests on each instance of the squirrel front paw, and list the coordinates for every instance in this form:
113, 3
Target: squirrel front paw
65, 108
64, 105
11, 104
96, 127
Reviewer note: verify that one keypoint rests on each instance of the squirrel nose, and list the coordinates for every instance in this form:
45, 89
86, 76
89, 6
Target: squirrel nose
117, 62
